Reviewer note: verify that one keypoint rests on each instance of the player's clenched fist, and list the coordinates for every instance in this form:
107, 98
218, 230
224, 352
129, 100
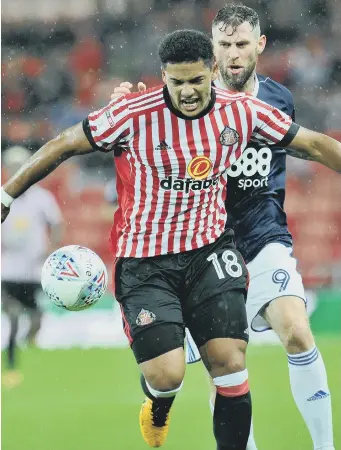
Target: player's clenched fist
125, 88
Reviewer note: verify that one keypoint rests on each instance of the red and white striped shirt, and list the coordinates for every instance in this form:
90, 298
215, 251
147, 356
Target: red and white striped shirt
171, 174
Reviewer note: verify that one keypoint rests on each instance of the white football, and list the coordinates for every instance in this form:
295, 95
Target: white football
74, 277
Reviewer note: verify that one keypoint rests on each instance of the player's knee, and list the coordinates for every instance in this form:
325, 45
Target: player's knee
166, 372
235, 364
297, 336
288, 318
229, 360
166, 381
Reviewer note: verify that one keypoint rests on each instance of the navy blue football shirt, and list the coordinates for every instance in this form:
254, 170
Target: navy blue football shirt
256, 183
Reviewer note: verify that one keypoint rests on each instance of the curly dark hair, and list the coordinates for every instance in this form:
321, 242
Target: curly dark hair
233, 15
186, 46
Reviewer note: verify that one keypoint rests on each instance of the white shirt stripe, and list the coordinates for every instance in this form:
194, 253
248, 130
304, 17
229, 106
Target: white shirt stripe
161, 213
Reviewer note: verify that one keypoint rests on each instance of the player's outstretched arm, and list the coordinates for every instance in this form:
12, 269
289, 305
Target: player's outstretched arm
69, 143
312, 146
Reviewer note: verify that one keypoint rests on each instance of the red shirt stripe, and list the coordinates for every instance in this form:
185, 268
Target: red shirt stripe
171, 176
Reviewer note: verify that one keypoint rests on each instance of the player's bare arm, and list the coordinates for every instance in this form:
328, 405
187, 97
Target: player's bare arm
312, 146
70, 142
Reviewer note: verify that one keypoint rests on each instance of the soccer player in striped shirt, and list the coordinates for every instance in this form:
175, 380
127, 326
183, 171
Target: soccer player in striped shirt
176, 264
255, 206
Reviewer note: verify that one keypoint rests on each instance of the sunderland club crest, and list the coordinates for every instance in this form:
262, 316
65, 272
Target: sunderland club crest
228, 136
145, 317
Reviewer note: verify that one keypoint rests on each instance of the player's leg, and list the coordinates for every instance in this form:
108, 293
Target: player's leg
12, 307
193, 356
13, 312
32, 310
224, 359
153, 323
308, 378
276, 300
216, 317
161, 379
251, 443
35, 324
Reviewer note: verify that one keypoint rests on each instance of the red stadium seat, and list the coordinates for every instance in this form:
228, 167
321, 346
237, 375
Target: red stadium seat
92, 195
323, 228
314, 260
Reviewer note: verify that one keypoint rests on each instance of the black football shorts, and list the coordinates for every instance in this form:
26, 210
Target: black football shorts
24, 293
202, 289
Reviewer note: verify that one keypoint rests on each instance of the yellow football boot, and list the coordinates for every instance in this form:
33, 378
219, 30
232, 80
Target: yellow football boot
154, 423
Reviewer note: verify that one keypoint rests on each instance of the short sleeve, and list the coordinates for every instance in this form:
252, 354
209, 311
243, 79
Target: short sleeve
104, 127
272, 126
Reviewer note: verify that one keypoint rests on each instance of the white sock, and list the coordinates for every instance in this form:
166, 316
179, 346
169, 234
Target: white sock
251, 444
309, 386
163, 394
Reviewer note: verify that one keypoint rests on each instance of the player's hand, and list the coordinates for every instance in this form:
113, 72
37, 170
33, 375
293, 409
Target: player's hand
4, 212
125, 88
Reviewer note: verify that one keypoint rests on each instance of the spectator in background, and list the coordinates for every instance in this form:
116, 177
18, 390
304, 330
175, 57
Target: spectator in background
311, 64
66, 62
110, 192
32, 231
110, 195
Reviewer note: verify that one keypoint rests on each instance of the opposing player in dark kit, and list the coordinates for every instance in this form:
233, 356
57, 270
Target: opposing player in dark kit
255, 203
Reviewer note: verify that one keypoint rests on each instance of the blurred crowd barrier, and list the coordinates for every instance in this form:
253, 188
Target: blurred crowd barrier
63, 59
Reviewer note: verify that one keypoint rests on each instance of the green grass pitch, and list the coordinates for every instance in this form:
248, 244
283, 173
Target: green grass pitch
89, 400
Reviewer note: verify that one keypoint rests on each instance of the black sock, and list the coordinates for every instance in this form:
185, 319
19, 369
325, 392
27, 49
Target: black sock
161, 405
35, 325
232, 421
11, 349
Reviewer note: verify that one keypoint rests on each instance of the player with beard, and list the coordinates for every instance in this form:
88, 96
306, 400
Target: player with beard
255, 200
255, 204
176, 265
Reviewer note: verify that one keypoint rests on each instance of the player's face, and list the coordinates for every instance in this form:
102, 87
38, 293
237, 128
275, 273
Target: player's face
189, 86
237, 53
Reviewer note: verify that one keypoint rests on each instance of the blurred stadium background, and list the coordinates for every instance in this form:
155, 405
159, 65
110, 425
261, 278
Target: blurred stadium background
62, 59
